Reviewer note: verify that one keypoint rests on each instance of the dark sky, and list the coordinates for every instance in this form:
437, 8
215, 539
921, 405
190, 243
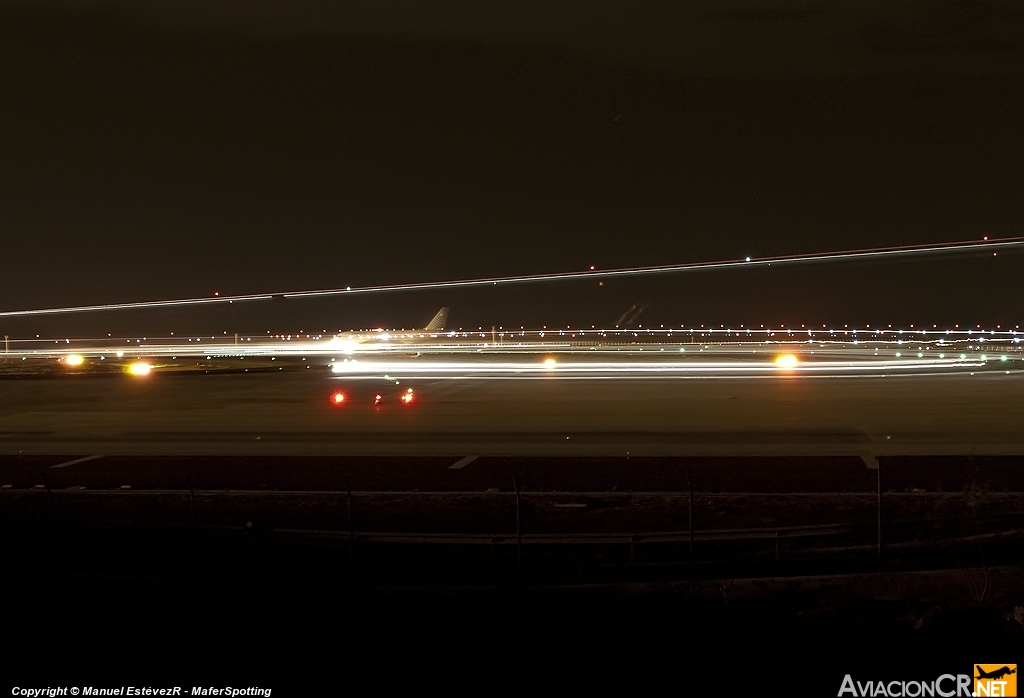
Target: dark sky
166, 149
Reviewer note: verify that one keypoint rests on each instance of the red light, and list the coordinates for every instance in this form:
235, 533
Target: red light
377, 399
407, 398
338, 398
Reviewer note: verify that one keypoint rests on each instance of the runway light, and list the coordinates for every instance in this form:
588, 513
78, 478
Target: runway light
550, 363
140, 368
74, 360
787, 361
120, 354
338, 398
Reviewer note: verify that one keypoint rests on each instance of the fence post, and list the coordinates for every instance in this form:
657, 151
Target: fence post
351, 529
689, 495
878, 480
191, 507
519, 535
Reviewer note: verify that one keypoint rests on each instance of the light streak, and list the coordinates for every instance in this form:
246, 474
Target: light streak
838, 256
439, 369
607, 342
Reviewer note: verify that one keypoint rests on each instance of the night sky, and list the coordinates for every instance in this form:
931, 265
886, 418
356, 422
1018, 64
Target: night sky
167, 149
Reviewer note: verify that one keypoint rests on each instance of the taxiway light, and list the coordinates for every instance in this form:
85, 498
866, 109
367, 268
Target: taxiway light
73, 360
140, 368
787, 361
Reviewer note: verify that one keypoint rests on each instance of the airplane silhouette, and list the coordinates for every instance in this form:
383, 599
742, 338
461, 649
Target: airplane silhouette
995, 674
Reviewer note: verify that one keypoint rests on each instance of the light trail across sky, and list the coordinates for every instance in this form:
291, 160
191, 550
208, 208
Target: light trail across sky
837, 256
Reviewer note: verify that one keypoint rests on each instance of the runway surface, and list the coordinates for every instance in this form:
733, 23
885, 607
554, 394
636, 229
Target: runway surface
273, 409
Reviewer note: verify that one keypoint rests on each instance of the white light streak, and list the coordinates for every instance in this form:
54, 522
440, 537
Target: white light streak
844, 255
514, 369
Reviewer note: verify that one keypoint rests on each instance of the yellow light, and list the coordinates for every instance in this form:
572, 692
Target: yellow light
139, 368
73, 360
787, 361
550, 363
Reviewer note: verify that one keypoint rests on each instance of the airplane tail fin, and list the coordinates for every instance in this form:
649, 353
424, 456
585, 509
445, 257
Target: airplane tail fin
437, 324
631, 315
629, 311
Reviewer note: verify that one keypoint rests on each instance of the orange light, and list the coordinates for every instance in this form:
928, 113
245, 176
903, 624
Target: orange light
786, 361
407, 397
139, 368
338, 398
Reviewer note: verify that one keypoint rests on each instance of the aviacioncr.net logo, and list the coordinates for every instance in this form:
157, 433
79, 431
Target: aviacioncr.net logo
945, 686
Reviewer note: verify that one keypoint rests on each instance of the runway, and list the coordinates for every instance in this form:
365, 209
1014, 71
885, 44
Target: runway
285, 408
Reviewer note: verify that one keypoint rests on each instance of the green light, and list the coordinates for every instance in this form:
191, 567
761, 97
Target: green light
898, 354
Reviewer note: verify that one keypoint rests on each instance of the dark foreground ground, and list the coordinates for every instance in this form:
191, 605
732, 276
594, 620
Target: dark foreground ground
316, 574
704, 535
